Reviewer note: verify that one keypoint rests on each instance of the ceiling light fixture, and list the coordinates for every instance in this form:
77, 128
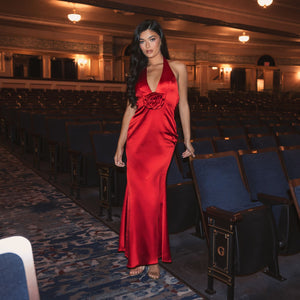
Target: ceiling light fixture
264, 3
244, 38
74, 17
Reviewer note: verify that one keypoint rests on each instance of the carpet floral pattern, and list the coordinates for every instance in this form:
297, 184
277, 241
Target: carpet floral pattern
75, 254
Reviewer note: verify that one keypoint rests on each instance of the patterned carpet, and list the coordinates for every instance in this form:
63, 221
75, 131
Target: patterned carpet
75, 255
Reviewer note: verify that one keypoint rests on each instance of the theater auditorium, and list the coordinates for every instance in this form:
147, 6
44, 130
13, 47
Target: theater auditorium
233, 210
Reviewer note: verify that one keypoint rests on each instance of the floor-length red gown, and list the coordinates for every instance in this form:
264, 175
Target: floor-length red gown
151, 140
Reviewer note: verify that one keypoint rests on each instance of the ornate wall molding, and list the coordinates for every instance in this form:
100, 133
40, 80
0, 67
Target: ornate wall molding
50, 45
233, 59
288, 61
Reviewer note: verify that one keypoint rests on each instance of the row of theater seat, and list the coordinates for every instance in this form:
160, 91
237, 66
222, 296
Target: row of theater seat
83, 143
247, 180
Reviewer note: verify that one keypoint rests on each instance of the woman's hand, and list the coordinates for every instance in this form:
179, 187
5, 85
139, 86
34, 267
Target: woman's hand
118, 158
189, 150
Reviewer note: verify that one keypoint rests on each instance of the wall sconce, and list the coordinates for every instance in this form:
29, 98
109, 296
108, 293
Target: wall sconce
214, 68
227, 69
82, 62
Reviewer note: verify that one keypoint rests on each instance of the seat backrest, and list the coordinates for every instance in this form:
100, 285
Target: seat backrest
261, 141
112, 125
288, 139
218, 181
205, 131
291, 159
264, 172
104, 146
56, 129
18, 276
78, 135
258, 129
174, 176
281, 128
268, 120
231, 121
38, 124
232, 130
250, 121
209, 122
231, 143
201, 146
25, 120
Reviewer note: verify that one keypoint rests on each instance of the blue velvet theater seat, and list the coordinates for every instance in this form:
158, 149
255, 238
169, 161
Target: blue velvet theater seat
268, 182
17, 272
258, 129
234, 143
227, 131
205, 131
291, 160
241, 234
288, 139
204, 122
261, 141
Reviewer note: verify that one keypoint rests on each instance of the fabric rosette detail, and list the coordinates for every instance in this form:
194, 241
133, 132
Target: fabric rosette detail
154, 100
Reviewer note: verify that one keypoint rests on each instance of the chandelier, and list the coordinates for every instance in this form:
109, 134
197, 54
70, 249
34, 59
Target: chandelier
244, 38
264, 3
74, 17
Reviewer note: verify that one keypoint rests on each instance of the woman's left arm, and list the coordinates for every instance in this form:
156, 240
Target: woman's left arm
184, 109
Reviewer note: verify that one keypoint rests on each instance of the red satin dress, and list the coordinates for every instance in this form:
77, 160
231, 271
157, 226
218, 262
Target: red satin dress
151, 140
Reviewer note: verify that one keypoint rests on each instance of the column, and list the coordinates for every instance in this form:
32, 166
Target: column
250, 79
46, 66
106, 57
268, 76
202, 79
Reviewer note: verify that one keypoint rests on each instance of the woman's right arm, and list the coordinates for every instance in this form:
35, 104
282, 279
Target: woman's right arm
129, 113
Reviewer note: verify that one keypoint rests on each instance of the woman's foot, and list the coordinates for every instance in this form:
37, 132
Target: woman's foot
136, 271
153, 271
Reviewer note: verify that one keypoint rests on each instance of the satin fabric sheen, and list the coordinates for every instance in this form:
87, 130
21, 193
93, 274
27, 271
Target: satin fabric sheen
151, 140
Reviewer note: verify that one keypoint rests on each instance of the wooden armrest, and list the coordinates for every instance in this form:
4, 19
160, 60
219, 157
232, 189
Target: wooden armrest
105, 165
294, 182
272, 200
225, 215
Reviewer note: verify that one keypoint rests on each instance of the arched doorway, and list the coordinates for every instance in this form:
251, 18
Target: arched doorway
266, 61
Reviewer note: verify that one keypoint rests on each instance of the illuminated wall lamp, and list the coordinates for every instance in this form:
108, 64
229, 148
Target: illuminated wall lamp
244, 38
264, 3
82, 62
74, 17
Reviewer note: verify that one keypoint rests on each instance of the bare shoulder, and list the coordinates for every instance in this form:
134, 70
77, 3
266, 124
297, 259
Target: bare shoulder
177, 67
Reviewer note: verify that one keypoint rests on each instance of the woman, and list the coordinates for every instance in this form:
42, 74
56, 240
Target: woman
155, 86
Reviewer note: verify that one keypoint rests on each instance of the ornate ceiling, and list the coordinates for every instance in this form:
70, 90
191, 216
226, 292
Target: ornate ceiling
212, 26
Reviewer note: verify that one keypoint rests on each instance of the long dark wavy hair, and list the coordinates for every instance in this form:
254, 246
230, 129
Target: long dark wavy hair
138, 61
